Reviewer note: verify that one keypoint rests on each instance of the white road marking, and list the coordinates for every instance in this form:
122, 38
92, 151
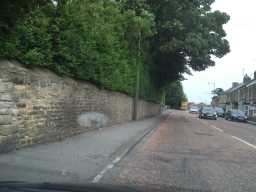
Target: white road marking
98, 177
218, 129
108, 167
117, 160
101, 174
245, 142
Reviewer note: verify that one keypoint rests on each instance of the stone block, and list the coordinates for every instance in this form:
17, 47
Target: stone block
4, 111
5, 87
37, 106
6, 119
2, 88
21, 105
2, 139
6, 130
8, 111
4, 104
5, 97
7, 144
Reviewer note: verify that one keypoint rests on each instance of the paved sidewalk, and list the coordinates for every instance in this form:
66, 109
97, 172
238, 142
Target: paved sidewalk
77, 159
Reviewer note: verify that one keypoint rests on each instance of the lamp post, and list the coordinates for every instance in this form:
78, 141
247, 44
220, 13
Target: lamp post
214, 87
137, 88
212, 83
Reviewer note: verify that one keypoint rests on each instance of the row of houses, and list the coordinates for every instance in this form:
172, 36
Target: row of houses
241, 96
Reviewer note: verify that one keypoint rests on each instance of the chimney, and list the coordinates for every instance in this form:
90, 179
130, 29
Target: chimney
235, 84
246, 79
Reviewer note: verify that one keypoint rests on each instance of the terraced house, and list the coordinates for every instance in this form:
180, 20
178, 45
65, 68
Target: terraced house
242, 96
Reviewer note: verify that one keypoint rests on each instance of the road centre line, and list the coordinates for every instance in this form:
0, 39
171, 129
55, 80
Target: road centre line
216, 128
245, 142
110, 166
212, 126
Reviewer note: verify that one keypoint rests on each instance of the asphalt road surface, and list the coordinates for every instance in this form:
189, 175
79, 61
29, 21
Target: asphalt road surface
174, 152
186, 153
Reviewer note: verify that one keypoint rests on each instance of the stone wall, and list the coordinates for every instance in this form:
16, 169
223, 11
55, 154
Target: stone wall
37, 106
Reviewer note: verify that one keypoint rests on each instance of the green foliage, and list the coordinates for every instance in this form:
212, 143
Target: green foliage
175, 95
218, 91
188, 35
13, 10
30, 41
104, 41
147, 90
90, 40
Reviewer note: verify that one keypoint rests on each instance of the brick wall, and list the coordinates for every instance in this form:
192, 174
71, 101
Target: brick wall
37, 106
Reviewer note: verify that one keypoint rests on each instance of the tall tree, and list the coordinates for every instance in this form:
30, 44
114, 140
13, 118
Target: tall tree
175, 95
218, 91
188, 36
12, 11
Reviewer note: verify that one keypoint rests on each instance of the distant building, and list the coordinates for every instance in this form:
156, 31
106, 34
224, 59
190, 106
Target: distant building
201, 105
191, 104
241, 96
219, 101
184, 106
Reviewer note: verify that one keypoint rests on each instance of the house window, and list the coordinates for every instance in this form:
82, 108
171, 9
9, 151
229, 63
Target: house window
252, 111
247, 110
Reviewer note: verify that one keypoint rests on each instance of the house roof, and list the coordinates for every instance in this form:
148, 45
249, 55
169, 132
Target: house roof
251, 83
234, 88
248, 84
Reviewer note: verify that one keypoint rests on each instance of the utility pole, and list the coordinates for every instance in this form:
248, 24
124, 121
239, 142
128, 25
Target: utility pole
137, 89
212, 83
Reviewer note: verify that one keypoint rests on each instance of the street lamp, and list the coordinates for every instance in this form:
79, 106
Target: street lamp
212, 92
214, 87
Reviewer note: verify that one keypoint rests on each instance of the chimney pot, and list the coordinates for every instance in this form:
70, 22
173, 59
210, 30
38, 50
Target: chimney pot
235, 84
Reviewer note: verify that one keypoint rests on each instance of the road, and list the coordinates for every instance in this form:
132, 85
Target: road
75, 160
189, 154
174, 152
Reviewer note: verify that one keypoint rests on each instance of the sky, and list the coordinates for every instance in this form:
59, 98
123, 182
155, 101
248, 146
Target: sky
241, 34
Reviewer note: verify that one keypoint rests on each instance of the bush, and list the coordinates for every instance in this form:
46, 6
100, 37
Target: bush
90, 40
30, 42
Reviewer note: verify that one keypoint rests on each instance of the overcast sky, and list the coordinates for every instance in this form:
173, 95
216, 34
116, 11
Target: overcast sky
241, 33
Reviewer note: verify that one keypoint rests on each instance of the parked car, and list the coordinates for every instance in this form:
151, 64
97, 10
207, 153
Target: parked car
236, 115
194, 109
207, 113
220, 111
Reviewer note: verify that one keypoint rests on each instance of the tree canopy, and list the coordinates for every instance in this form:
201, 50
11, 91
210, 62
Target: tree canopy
175, 98
218, 91
103, 41
188, 36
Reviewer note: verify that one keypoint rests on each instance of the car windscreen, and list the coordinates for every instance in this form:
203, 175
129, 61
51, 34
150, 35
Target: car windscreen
208, 110
219, 110
240, 113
